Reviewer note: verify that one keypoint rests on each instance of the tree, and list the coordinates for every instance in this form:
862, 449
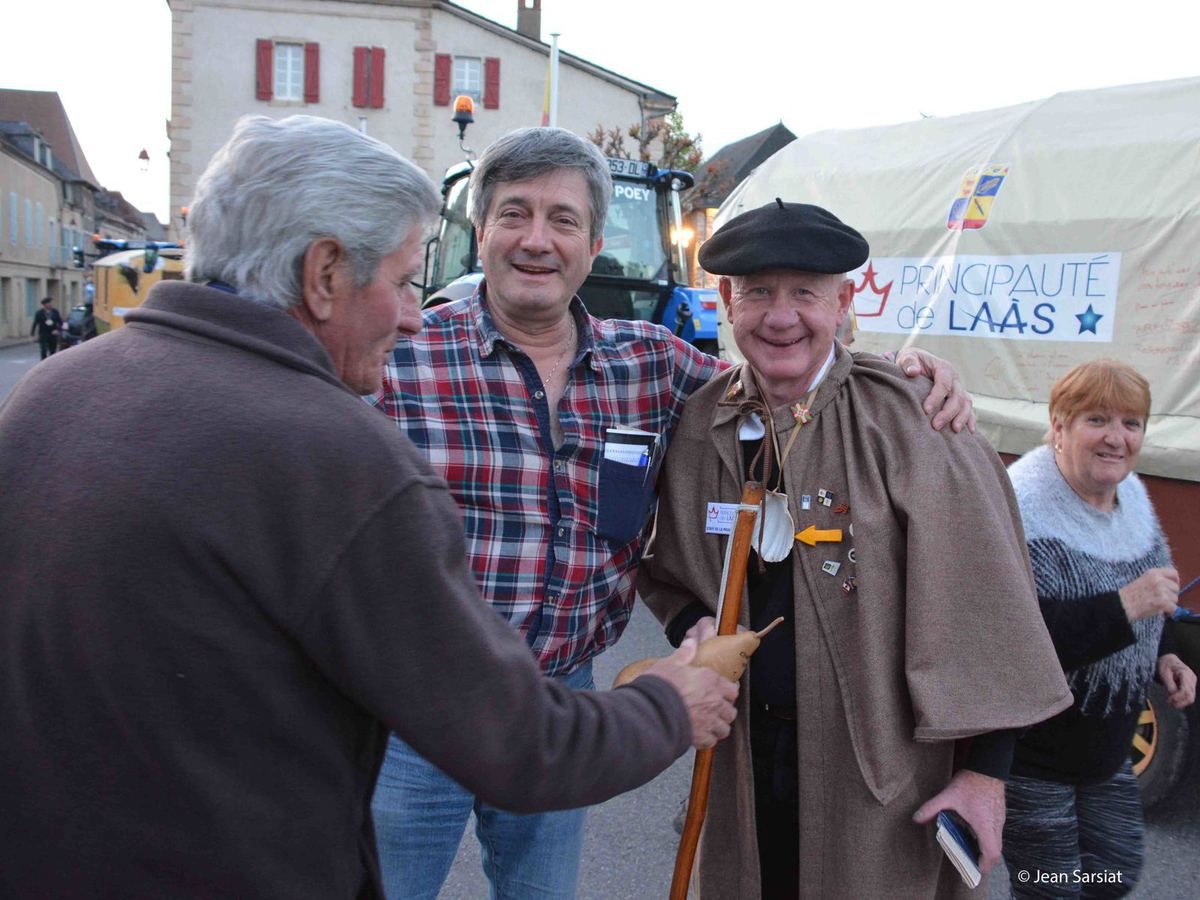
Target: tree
678, 149
611, 141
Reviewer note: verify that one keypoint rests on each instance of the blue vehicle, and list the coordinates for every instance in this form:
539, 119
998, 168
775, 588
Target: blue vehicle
635, 276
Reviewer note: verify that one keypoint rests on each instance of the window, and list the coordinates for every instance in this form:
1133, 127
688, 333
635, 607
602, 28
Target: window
288, 71
12, 216
470, 75
368, 77
39, 229
28, 222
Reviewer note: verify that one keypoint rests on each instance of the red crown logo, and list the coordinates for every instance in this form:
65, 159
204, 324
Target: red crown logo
870, 305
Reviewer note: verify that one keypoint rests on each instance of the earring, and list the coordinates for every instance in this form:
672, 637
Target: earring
1058, 448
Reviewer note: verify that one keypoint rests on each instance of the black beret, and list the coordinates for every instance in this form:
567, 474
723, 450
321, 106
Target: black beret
784, 236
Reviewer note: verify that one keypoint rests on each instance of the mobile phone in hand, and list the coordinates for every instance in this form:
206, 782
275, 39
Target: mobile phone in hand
958, 842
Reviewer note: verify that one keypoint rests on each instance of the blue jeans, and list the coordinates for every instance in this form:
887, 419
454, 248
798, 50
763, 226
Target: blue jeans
421, 814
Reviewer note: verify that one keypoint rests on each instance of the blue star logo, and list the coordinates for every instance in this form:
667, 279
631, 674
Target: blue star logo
1088, 319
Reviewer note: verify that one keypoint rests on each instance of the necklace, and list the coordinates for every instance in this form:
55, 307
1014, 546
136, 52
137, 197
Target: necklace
802, 414
567, 352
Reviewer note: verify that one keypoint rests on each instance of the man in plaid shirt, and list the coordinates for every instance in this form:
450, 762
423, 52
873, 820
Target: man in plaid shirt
511, 394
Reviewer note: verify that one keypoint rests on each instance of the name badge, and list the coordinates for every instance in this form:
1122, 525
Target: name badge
719, 518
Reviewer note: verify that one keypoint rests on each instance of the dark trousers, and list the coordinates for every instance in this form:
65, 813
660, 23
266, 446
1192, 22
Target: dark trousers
776, 804
1066, 840
49, 344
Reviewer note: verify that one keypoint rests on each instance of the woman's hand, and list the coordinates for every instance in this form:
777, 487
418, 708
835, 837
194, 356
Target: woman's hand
1153, 593
1178, 679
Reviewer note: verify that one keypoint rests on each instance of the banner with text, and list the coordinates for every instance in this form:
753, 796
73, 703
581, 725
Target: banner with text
1049, 297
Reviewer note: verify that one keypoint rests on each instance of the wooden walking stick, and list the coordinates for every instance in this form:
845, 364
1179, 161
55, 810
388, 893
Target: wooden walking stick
733, 580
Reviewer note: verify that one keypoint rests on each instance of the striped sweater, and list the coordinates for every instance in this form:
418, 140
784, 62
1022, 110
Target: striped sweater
1081, 557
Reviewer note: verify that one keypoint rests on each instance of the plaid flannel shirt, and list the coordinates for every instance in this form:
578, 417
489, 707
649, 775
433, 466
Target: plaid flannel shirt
553, 536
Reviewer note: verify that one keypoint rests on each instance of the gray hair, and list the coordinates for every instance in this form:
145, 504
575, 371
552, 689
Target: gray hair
532, 152
278, 185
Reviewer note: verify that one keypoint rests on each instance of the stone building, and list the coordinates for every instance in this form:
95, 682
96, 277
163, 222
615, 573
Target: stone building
51, 204
117, 218
389, 67
47, 209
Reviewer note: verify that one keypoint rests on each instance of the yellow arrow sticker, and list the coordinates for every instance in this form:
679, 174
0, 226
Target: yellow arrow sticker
811, 535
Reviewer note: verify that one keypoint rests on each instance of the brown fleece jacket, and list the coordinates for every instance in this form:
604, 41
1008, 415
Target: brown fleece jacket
262, 578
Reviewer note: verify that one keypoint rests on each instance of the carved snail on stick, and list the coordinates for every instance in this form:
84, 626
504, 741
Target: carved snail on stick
726, 654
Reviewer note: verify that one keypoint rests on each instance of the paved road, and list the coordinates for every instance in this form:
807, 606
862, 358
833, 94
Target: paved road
630, 845
15, 361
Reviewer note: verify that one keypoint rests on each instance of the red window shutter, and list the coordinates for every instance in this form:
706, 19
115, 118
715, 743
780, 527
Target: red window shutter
491, 83
360, 76
377, 78
441, 79
312, 73
264, 56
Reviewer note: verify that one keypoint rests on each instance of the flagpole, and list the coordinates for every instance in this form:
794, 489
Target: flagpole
553, 119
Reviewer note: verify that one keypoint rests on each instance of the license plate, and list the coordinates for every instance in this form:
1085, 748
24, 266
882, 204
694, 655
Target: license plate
634, 167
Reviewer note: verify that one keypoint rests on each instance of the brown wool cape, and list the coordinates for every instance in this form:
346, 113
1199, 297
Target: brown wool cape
941, 639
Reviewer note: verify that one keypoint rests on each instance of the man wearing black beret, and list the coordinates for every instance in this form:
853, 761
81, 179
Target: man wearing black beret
912, 643
784, 236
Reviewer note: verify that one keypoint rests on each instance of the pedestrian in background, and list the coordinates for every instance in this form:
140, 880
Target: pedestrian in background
47, 325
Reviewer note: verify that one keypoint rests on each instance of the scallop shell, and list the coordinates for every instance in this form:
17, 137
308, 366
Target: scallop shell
774, 539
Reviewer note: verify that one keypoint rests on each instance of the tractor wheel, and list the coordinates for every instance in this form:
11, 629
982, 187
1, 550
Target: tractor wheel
1160, 746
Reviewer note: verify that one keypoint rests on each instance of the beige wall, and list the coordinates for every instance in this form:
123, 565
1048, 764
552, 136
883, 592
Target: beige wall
214, 72
584, 101
42, 262
33, 183
214, 79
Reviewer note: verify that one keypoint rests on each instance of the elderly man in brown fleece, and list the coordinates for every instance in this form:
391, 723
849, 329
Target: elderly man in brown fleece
265, 577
